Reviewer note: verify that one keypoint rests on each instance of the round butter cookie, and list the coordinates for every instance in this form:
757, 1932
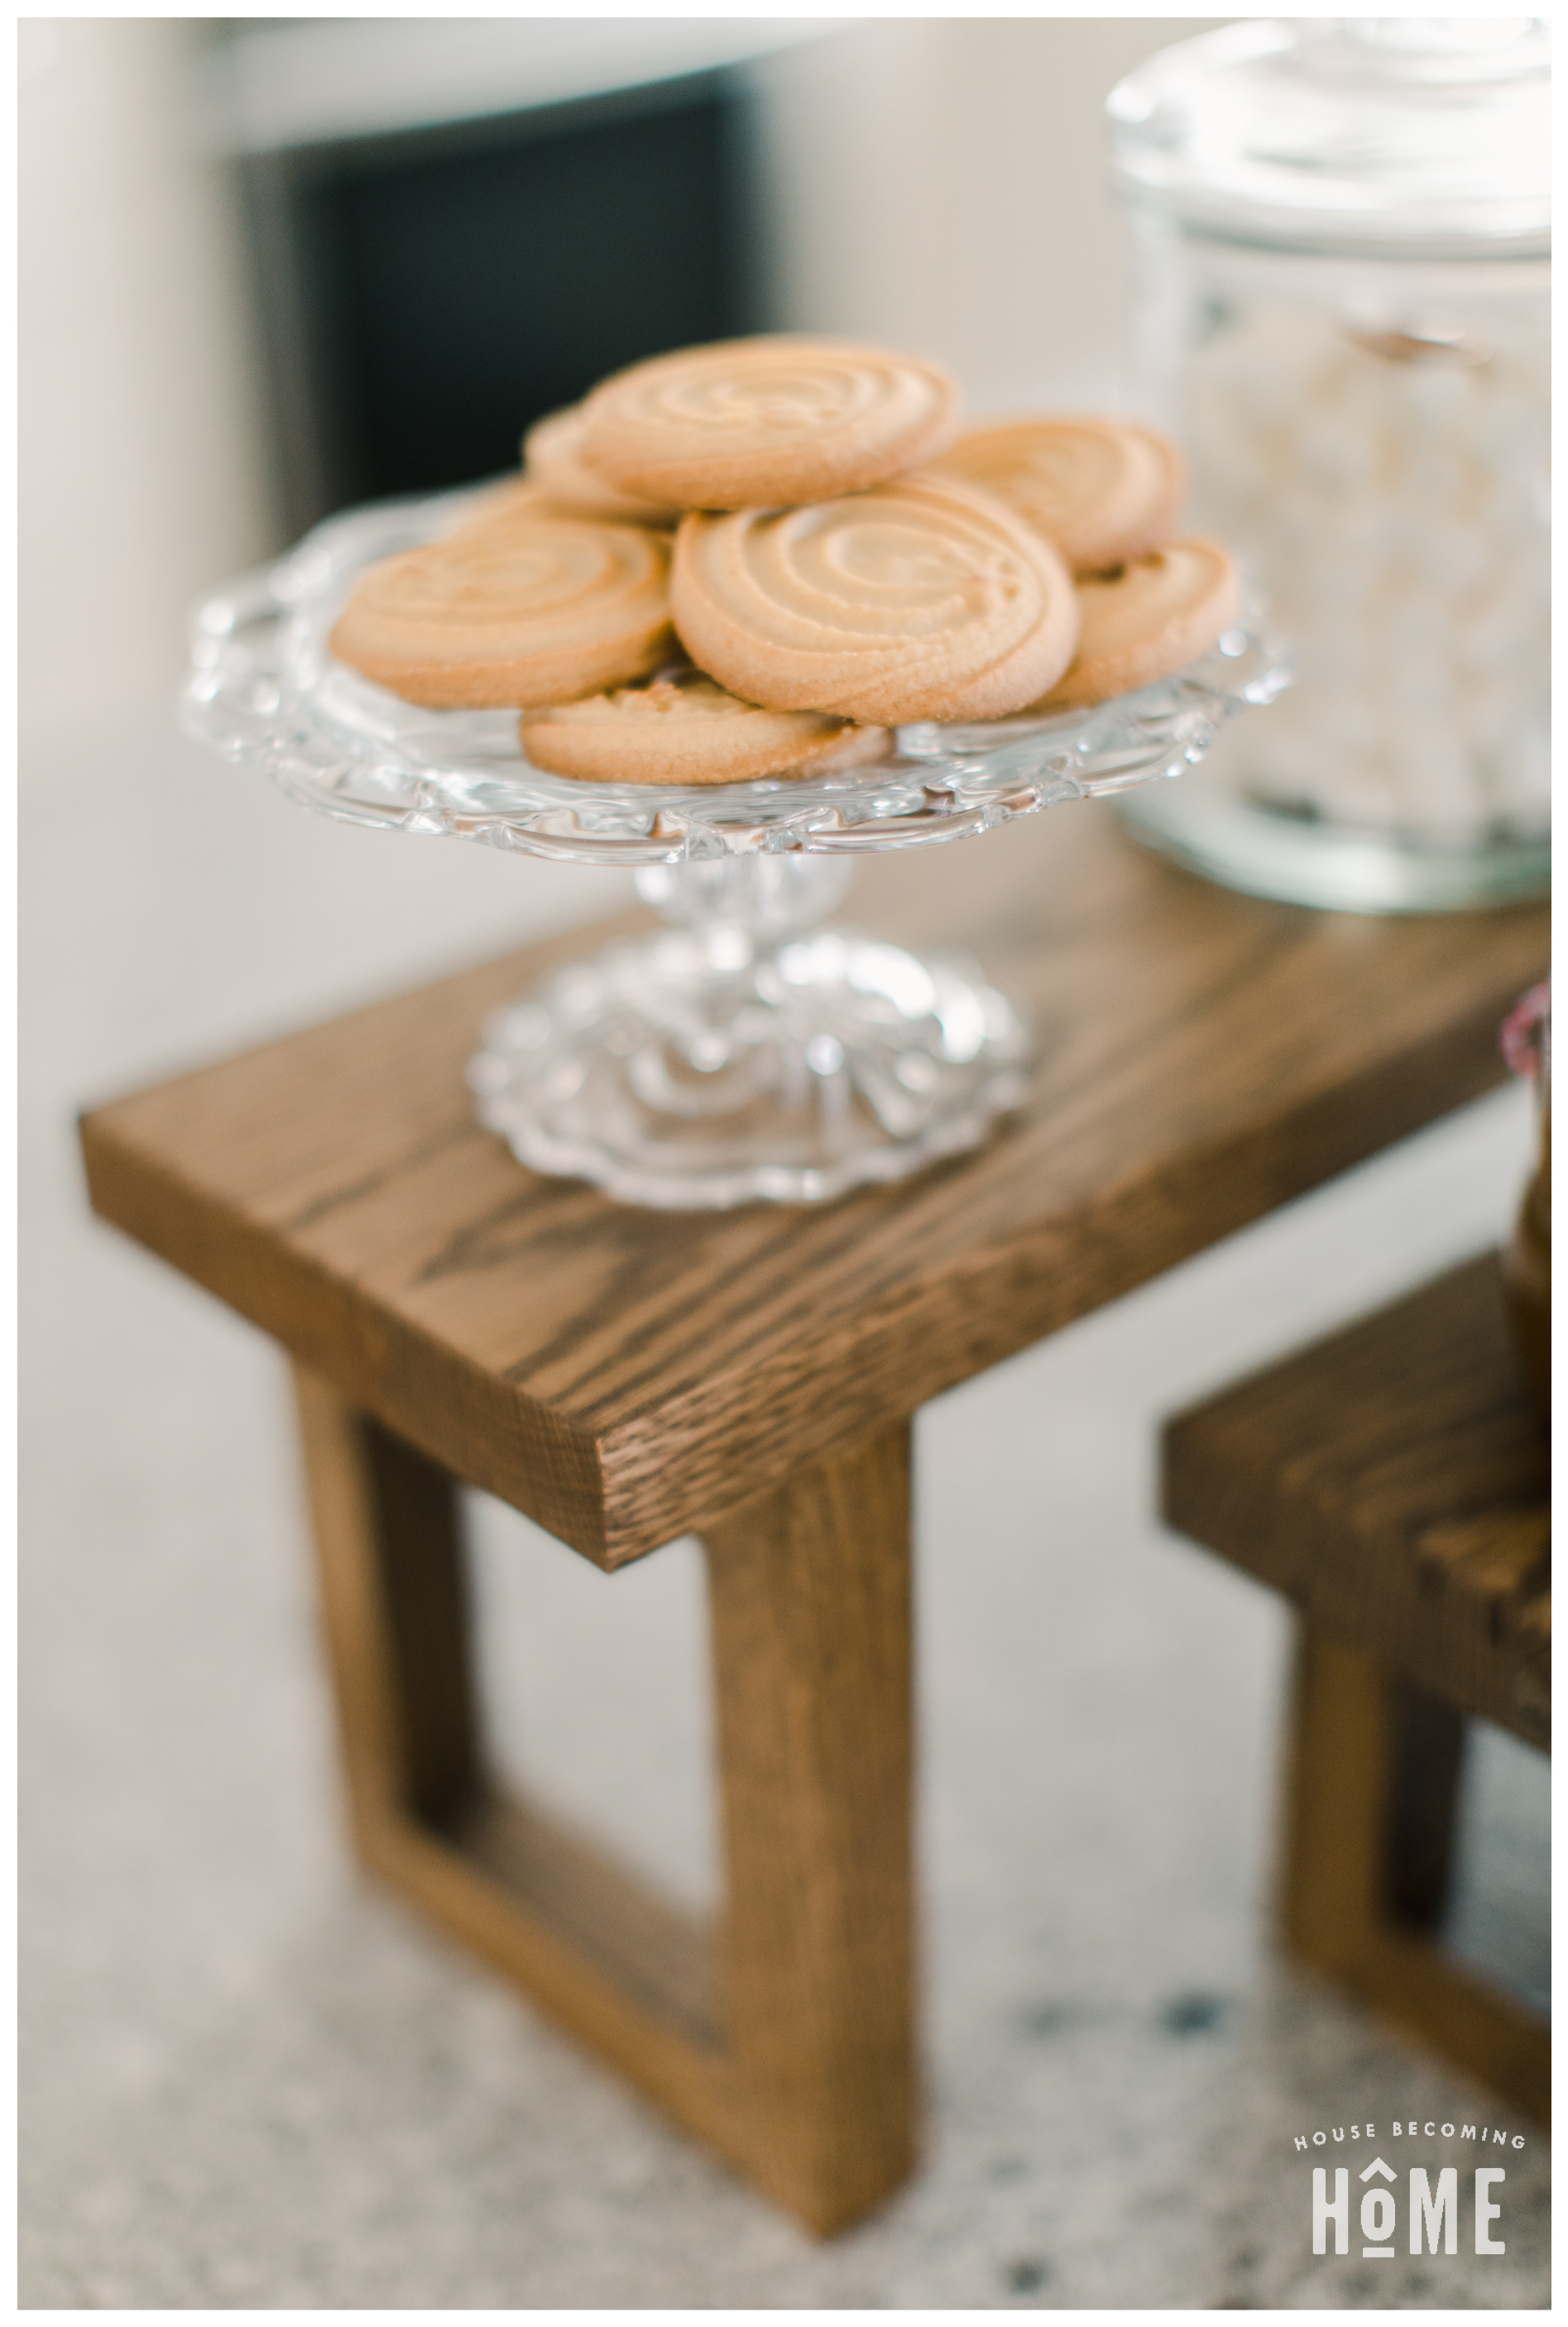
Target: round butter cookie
1155, 617
920, 600
766, 423
552, 460
529, 607
686, 730
498, 504
1099, 491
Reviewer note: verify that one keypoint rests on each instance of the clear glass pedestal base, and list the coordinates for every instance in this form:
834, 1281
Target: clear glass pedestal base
745, 1055
1344, 868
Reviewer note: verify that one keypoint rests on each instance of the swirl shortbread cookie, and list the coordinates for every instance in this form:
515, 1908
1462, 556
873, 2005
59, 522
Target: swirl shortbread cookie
525, 607
1099, 491
920, 600
766, 423
551, 459
686, 730
495, 504
1158, 614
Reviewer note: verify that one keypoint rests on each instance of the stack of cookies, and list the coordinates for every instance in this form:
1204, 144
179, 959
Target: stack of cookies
760, 557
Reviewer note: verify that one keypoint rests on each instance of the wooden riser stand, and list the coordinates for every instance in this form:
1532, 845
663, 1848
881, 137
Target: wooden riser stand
626, 1377
1371, 1786
1393, 1482
787, 2040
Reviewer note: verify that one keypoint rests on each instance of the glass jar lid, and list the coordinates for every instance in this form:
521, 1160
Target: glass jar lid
1411, 135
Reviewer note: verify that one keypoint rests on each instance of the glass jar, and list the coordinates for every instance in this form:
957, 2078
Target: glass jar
1343, 247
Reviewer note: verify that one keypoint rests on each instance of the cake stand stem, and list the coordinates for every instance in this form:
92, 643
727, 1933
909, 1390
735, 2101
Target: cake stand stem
746, 1054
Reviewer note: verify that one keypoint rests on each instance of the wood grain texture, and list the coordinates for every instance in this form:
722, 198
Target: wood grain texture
585, 1992
1342, 1874
784, 2040
614, 1965
374, 1735
655, 1952
1393, 1482
624, 1375
809, 1593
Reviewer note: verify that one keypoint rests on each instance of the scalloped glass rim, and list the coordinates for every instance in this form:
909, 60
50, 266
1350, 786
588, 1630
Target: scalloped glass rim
264, 689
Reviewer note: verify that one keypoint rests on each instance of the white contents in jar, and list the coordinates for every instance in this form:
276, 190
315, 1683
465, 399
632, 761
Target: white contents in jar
1390, 490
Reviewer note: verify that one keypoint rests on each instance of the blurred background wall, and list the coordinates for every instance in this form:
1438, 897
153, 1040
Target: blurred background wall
272, 264
142, 470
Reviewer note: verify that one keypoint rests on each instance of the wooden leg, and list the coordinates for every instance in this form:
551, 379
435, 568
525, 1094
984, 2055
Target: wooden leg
1370, 1793
811, 1629
622, 1969
394, 1614
1426, 1749
789, 2048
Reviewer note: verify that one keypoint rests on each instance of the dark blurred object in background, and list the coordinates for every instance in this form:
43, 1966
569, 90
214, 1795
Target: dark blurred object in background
427, 291
274, 264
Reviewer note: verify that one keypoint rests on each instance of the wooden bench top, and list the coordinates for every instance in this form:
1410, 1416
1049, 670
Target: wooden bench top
1393, 1481
625, 1376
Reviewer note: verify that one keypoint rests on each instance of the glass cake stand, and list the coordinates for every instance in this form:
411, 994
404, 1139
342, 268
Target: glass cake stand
744, 1052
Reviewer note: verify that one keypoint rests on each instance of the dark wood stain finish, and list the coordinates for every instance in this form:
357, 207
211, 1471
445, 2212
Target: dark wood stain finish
784, 2038
625, 1376
809, 1590
1393, 1482
1339, 1906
